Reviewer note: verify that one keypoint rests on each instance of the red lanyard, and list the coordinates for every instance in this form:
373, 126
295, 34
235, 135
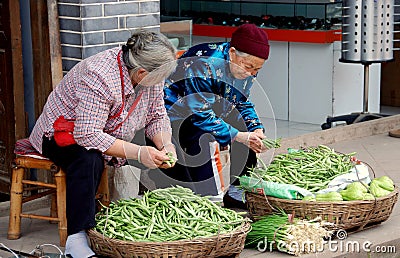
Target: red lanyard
123, 98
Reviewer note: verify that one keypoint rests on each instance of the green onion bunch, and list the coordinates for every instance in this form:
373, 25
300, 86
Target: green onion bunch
280, 231
168, 214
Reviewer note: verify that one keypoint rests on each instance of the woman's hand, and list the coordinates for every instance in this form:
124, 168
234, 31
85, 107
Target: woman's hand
151, 157
261, 135
251, 140
169, 148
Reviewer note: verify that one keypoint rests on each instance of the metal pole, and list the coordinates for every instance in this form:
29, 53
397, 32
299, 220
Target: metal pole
366, 87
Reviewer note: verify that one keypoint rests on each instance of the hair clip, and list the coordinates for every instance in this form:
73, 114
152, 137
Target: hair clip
125, 48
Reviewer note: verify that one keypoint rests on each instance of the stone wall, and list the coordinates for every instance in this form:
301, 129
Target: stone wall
90, 26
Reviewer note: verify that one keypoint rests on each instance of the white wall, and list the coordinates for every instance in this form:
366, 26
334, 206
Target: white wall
274, 82
349, 86
310, 82
305, 82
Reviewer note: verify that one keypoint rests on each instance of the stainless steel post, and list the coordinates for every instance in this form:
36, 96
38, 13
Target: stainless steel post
367, 35
366, 88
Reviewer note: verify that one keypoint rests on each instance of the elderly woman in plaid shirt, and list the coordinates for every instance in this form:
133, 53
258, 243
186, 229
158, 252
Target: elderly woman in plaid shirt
110, 96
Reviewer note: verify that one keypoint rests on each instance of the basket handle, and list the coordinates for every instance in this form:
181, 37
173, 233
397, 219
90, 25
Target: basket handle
375, 200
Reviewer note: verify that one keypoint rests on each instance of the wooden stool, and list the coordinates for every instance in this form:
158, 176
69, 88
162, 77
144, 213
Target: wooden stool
58, 191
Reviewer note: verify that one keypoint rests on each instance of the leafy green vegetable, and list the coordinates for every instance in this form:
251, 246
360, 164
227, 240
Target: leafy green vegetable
352, 194
309, 198
288, 234
329, 197
357, 186
385, 182
376, 190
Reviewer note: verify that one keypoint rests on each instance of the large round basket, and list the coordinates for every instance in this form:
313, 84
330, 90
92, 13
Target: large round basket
224, 245
348, 215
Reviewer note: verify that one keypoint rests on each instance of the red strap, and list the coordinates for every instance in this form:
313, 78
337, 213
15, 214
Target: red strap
129, 113
121, 75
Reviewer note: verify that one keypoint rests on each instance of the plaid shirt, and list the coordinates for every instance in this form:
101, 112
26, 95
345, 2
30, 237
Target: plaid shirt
91, 93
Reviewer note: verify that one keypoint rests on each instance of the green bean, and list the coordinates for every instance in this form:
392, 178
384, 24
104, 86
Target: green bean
305, 168
270, 143
171, 159
164, 215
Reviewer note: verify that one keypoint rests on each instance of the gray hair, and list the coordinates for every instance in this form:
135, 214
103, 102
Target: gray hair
241, 54
150, 50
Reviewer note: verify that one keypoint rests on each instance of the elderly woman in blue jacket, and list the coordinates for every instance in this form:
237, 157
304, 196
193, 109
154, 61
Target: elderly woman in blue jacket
207, 99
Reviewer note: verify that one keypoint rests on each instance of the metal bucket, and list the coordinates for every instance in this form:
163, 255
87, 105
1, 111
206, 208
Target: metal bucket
367, 30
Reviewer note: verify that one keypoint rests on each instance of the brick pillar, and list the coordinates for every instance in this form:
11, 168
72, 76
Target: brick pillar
90, 26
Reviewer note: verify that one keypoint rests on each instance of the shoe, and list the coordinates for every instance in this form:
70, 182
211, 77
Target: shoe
230, 202
395, 133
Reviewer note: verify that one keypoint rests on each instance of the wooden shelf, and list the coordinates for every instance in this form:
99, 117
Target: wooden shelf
306, 36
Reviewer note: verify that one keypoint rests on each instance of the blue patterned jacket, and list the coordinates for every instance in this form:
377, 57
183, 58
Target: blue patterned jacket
203, 89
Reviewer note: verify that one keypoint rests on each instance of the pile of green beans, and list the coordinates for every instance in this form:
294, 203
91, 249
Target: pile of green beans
312, 168
168, 214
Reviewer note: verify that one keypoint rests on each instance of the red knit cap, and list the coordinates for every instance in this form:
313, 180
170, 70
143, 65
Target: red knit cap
250, 39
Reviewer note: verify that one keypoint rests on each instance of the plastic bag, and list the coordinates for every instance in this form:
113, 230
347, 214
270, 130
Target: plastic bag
358, 173
283, 191
125, 183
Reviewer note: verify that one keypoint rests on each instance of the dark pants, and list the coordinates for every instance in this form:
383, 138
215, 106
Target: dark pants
83, 170
241, 157
195, 157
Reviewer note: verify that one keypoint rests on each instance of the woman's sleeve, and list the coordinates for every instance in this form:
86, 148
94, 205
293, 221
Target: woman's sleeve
249, 115
200, 96
92, 113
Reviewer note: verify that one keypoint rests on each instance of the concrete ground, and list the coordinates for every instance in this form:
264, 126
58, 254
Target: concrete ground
383, 154
377, 149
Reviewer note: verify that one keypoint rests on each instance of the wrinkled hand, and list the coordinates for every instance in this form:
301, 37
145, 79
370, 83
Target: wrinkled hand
261, 135
251, 140
151, 157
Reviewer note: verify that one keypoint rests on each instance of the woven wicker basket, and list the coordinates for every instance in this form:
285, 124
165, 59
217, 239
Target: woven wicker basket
348, 215
224, 245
